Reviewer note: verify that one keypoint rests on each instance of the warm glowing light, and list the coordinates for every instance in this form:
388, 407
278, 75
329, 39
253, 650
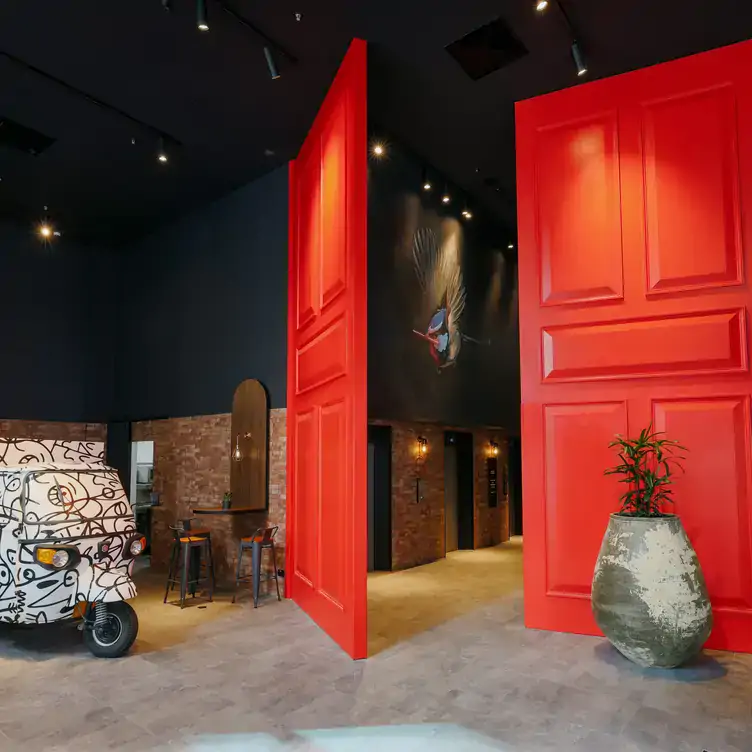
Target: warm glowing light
427, 186
162, 157
445, 199
45, 231
582, 71
467, 214
541, 5
203, 27
378, 150
510, 246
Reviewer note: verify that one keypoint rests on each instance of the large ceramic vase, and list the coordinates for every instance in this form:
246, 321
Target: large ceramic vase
649, 593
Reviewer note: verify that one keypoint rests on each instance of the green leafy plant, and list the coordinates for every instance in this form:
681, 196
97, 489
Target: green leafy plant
647, 464
227, 497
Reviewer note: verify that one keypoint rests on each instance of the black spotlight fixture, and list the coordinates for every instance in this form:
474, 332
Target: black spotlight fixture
162, 155
202, 18
579, 60
273, 72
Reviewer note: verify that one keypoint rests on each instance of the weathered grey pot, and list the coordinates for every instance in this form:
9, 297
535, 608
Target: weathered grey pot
649, 593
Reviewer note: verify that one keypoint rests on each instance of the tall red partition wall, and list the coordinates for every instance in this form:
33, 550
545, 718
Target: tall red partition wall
635, 229
327, 420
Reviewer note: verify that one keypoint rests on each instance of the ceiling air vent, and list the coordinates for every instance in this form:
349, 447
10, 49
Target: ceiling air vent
487, 49
15, 136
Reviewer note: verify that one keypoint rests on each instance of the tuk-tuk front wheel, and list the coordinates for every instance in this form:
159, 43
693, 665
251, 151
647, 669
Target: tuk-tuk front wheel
113, 633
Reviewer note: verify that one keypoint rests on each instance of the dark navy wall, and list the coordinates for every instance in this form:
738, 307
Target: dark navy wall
205, 306
57, 342
482, 387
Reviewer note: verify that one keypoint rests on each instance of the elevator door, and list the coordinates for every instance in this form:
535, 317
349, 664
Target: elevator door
450, 494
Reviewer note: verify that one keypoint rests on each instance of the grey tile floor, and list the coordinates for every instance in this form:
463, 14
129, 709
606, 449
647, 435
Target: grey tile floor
270, 681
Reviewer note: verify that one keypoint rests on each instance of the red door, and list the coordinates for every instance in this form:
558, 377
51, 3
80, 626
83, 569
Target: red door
635, 225
327, 418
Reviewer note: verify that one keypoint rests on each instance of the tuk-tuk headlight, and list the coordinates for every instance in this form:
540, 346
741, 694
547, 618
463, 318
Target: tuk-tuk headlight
137, 546
56, 558
134, 547
60, 559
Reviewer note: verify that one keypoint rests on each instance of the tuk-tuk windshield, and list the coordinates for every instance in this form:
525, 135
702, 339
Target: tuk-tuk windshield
59, 496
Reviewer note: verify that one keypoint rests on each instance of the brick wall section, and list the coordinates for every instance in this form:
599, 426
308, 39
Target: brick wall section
418, 529
192, 469
35, 429
491, 524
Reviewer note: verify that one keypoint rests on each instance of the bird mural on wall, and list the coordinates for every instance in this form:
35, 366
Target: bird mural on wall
440, 279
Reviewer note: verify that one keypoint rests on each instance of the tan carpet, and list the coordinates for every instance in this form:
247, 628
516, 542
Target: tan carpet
404, 604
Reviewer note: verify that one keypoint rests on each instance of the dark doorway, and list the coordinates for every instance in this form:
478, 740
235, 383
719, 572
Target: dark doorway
118, 451
515, 486
379, 498
458, 491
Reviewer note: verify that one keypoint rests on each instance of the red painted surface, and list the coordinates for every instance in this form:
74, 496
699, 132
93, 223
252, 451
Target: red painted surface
635, 228
326, 367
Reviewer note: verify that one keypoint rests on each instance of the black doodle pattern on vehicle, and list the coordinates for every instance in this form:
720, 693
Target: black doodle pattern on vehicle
61, 502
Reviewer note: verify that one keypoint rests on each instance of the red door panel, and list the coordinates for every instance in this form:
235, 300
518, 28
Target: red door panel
635, 224
327, 341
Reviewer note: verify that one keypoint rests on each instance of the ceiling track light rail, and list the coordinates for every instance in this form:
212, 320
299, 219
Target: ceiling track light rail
270, 43
90, 97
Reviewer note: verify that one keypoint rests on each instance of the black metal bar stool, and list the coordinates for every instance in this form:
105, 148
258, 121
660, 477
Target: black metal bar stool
191, 561
262, 540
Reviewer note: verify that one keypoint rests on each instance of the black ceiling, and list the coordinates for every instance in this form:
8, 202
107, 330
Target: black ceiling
213, 93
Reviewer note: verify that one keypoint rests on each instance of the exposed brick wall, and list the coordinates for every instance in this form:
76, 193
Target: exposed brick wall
418, 528
36, 429
192, 469
491, 524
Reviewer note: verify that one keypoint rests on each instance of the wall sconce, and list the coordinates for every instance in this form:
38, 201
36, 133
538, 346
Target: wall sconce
494, 450
237, 454
421, 451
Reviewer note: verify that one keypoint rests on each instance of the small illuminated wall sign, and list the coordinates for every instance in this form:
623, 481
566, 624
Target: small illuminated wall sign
493, 490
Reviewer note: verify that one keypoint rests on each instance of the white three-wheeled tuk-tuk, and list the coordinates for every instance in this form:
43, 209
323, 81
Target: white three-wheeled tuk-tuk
68, 542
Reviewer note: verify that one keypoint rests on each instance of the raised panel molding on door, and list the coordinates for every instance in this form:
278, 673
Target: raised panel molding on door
324, 358
307, 247
697, 343
692, 206
578, 210
712, 495
306, 483
333, 222
575, 455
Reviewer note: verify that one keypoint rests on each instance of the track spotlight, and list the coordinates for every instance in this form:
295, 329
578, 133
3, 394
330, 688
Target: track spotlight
511, 246
426, 183
541, 5
273, 72
579, 60
162, 150
446, 198
45, 231
467, 214
202, 18
378, 149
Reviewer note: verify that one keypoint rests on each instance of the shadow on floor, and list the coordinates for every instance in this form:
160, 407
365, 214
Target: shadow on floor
161, 626
404, 604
